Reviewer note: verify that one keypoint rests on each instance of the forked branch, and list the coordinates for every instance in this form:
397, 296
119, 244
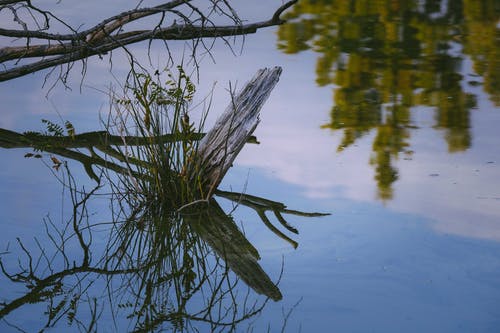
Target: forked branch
173, 20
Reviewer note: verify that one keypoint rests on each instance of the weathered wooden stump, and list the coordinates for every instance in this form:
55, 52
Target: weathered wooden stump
215, 155
219, 148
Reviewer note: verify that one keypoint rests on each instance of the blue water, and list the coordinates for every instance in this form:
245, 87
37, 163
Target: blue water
367, 268
425, 261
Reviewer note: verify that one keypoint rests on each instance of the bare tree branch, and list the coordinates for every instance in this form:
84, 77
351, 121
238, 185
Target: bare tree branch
179, 20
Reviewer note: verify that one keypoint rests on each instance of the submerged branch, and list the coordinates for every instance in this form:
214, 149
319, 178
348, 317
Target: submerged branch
261, 205
97, 139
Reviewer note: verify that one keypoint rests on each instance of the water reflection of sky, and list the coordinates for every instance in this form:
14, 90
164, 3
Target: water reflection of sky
454, 189
369, 268
427, 260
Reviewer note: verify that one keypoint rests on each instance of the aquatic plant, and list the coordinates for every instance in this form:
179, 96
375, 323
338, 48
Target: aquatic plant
161, 174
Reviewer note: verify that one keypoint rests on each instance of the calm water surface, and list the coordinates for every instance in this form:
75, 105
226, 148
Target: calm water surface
386, 116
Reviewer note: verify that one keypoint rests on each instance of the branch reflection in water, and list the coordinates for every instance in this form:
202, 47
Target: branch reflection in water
170, 258
155, 269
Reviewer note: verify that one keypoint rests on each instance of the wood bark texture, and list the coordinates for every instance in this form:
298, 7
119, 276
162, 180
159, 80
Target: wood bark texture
219, 148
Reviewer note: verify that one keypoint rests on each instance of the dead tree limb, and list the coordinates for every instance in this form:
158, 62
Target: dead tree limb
175, 20
96, 139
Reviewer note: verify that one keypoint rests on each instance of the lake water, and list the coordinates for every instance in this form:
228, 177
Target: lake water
386, 117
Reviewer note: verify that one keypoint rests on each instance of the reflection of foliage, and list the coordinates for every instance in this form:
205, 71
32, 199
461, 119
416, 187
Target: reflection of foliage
386, 57
482, 43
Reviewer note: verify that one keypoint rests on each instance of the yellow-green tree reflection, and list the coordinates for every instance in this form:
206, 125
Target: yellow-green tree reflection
482, 42
386, 57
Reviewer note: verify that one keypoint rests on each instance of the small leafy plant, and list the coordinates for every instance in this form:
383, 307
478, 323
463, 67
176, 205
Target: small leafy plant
43, 141
159, 110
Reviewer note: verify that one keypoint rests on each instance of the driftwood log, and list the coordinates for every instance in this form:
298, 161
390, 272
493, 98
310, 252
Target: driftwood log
219, 148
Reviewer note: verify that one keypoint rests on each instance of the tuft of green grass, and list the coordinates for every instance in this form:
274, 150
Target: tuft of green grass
151, 107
